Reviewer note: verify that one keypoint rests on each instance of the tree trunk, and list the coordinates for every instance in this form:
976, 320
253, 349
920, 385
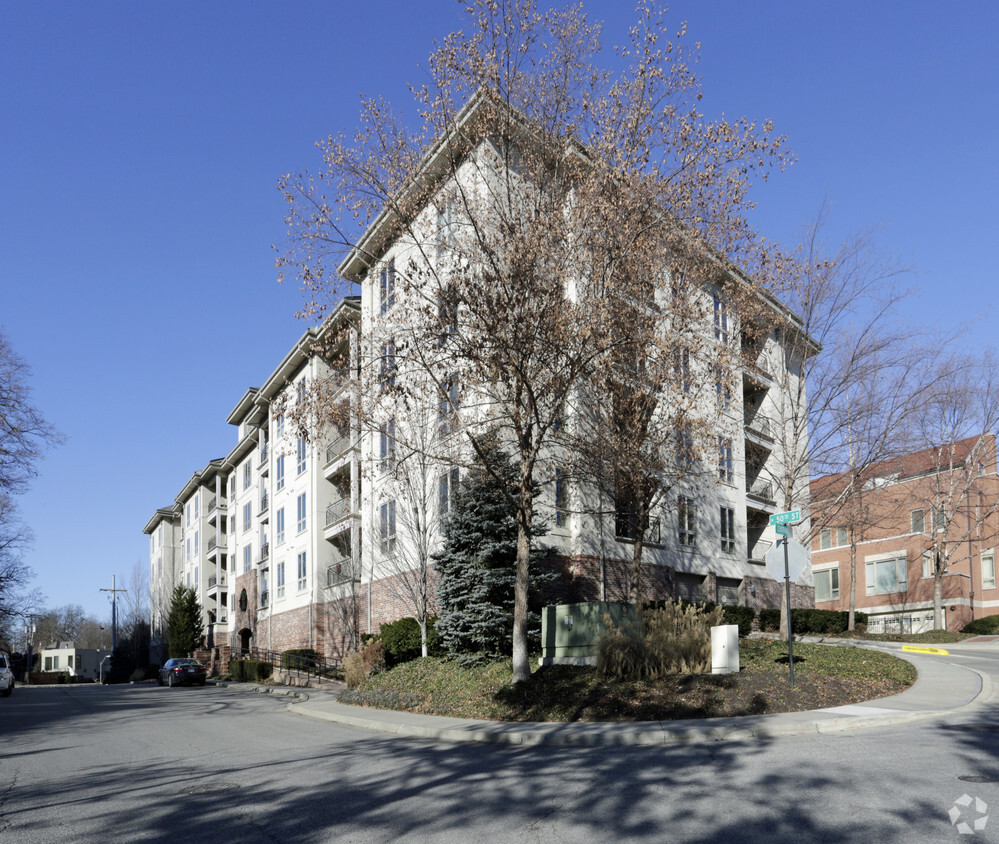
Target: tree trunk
525, 511
852, 618
635, 581
938, 614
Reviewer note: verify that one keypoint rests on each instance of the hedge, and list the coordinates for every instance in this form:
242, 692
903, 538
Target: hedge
403, 643
741, 616
804, 621
304, 658
250, 670
983, 626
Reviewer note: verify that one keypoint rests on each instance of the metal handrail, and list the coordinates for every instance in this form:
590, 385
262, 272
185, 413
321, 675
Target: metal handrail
264, 598
759, 549
336, 511
339, 572
264, 503
763, 490
337, 447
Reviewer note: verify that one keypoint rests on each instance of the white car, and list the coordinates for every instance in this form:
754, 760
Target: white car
6, 676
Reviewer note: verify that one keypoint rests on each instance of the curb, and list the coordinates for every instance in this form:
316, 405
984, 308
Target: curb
300, 697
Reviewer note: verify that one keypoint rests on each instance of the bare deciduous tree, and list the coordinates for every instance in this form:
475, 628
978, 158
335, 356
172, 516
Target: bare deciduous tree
487, 229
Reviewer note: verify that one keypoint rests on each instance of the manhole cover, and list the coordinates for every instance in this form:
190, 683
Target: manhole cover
208, 787
972, 778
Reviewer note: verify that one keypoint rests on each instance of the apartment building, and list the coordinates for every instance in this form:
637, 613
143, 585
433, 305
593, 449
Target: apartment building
907, 513
266, 535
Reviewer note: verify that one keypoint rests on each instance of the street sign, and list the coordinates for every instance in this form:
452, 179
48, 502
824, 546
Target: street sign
783, 530
782, 518
797, 560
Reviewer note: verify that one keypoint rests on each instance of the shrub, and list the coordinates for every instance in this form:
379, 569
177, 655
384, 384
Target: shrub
359, 666
403, 642
983, 626
673, 639
304, 658
769, 619
741, 616
250, 670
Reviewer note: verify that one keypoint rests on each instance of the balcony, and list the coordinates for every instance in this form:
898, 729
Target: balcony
761, 491
760, 429
265, 551
263, 456
217, 545
758, 551
223, 619
337, 511
216, 580
264, 503
339, 572
265, 597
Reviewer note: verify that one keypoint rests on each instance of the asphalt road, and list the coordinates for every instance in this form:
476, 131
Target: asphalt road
143, 763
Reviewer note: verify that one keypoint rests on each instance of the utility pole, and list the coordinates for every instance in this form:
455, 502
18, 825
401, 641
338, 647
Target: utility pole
114, 613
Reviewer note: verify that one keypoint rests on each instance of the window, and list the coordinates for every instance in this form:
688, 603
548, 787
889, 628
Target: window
387, 366
387, 527
721, 319
447, 405
988, 570
300, 392
447, 313
827, 585
55, 662
917, 524
725, 468
280, 526
939, 519
301, 455
927, 564
301, 512
387, 445
825, 539
246, 475
728, 530
446, 224
195, 508
196, 543
447, 489
247, 558
279, 468
842, 537
197, 580
683, 369
279, 581
188, 549
687, 517
279, 426
386, 286
302, 575
561, 499
684, 448
887, 575
723, 393
247, 510
187, 515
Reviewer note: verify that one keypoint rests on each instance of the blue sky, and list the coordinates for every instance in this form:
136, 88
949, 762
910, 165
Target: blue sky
141, 144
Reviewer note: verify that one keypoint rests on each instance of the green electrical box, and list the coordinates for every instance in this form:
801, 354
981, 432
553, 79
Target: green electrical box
570, 632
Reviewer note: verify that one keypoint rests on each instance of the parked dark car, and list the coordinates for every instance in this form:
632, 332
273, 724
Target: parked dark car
182, 672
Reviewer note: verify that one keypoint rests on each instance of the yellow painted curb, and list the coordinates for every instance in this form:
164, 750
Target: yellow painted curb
917, 649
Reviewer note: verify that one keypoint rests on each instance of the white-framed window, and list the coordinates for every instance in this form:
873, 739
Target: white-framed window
726, 469
247, 557
187, 515
684, 447
387, 365
561, 499
721, 319
988, 570
927, 564
447, 404
683, 369
939, 519
196, 543
196, 507
386, 286
247, 515
279, 580
279, 520
728, 530
197, 573
723, 392
386, 528
887, 574
246, 475
447, 489
386, 449
686, 510
917, 522
279, 426
833, 538
301, 512
300, 392
188, 543
301, 455
827, 584
279, 471
447, 313
302, 572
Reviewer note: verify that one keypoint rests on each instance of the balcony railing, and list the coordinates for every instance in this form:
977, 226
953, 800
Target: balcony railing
337, 447
263, 455
337, 511
216, 580
264, 503
758, 551
339, 572
212, 504
265, 597
217, 541
763, 490
223, 619
265, 551
760, 425
212, 580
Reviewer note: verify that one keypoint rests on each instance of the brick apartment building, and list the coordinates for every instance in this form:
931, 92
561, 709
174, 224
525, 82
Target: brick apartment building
938, 503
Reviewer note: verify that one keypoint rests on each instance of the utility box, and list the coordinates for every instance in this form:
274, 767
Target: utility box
570, 632
725, 649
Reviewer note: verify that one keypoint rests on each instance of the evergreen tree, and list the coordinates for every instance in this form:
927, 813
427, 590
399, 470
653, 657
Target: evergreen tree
477, 567
184, 625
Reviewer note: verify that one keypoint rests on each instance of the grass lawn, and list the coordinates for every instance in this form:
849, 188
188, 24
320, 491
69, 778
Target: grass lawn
824, 676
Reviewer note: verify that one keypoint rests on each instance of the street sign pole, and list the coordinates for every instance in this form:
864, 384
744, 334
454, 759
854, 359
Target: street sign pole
790, 633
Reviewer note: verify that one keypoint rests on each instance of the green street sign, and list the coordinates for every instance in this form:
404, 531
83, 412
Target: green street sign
783, 530
783, 518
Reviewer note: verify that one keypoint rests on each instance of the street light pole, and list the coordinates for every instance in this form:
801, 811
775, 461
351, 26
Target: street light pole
114, 613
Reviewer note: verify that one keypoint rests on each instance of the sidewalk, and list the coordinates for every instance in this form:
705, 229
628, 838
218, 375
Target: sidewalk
941, 688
